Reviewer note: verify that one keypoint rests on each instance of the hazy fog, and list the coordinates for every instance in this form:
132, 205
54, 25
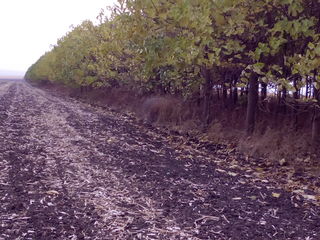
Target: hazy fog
29, 28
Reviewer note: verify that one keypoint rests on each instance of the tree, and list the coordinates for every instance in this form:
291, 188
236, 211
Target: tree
190, 47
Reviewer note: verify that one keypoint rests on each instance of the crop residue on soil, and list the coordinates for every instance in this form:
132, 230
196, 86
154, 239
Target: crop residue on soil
72, 171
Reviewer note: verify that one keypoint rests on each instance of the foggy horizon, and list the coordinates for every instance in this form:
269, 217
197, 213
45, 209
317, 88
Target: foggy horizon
28, 31
8, 73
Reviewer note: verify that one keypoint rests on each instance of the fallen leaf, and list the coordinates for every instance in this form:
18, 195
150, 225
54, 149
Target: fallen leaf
259, 169
309, 197
276, 195
236, 198
262, 222
52, 192
253, 197
282, 161
232, 174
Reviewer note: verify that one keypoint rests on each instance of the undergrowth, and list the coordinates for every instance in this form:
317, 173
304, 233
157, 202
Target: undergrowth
274, 138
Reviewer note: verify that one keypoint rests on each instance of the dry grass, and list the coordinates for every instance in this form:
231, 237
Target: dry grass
277, 144
162, 109
275, 136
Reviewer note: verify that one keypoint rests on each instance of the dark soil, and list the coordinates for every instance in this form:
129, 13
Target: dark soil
72, 171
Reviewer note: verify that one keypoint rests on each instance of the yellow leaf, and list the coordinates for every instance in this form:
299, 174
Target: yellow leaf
220, 19
253, 197
276, 195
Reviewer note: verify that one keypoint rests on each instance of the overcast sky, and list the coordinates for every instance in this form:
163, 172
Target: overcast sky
29, 27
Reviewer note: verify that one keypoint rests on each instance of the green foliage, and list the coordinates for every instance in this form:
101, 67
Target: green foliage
152, 45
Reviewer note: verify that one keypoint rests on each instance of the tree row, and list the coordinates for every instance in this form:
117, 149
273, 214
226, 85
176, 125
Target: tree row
223, 49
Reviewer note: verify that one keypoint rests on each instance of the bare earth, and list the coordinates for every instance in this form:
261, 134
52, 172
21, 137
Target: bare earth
72, 171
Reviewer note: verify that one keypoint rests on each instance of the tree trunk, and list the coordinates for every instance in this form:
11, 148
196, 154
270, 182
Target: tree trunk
284, 94
296, 96
263, 91
296, 92
218, 93
224, 95
235, 90
283, 105
247, 90
316, 116
230, 93
279, 97
235, 96
241, 91
207, 115
307, 87
314, 89
252, 103
316, 127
